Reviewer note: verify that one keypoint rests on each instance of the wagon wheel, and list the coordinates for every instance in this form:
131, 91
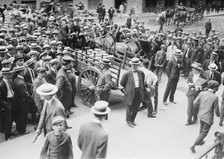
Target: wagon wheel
87, 85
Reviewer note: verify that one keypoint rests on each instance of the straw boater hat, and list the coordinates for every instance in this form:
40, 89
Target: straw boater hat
213, 67
47, 89
30, 62
19, 68
197, 66
5, 70
135, 61
100, 108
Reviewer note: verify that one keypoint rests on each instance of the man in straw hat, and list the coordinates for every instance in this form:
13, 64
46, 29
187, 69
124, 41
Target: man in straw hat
212, 73
196, 83
51, 108
207, 103
7, 103
105, 83
173, 73
133, 83
22, 97
58, 143
93, 139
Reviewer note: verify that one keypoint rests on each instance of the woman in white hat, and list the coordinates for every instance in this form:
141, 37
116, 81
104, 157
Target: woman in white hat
51, 108
93, 139
196, 82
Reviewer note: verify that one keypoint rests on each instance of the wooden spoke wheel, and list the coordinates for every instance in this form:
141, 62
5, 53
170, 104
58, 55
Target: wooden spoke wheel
87, 85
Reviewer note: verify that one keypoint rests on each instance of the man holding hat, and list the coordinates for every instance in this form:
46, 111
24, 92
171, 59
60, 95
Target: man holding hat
93, 139
173, 73
52, 107
105, 83
133, 83
196, 83
21, 96
7, 103
212, 73
64, 84
213, 59
207, 103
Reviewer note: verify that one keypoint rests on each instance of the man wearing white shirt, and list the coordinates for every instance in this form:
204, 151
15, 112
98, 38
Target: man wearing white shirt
171, 50
150, 81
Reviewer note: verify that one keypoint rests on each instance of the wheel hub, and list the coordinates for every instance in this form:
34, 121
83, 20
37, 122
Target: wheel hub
92, 88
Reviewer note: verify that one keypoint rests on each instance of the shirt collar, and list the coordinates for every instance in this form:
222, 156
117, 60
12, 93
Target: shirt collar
211, 90
21, 77
50, 101
95, 120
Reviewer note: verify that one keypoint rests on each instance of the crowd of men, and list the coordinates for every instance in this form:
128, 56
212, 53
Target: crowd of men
38, 48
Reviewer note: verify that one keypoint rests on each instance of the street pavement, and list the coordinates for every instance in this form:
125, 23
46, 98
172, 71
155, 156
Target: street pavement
164, 137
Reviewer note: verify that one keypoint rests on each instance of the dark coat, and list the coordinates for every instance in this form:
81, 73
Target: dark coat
28, 80
128, 83
57, 149
207, 62
3, 95
51, 77
64, 88
92, 141
172, 69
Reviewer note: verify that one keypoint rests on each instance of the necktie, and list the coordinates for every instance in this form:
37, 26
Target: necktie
211, 76
187, 52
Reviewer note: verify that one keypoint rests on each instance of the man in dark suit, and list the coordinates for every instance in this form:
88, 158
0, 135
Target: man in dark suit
64, 84
187, 58
105, 83
212, 73
133, 83
173, 73
52, 72
22, 97
7, 103
196, 83
93, 139
207, 102
52, 107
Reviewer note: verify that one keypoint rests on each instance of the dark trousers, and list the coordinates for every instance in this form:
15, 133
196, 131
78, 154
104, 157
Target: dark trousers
6, 118
156, 96
158, 72
21, 115
147, 103
170, 89
207, 32
132, 109
204, 129
186, 66
161, 28
191, 111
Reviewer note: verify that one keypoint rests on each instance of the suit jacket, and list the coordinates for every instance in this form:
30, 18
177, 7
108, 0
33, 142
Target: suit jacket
28, 80
38, 82
57, 148
172, 69
128, 83
105, 82
193, 92
3, 95
20, 89
92, 141
207, 102
190, 54
55, 109
51, 77
216, 76
64, 87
